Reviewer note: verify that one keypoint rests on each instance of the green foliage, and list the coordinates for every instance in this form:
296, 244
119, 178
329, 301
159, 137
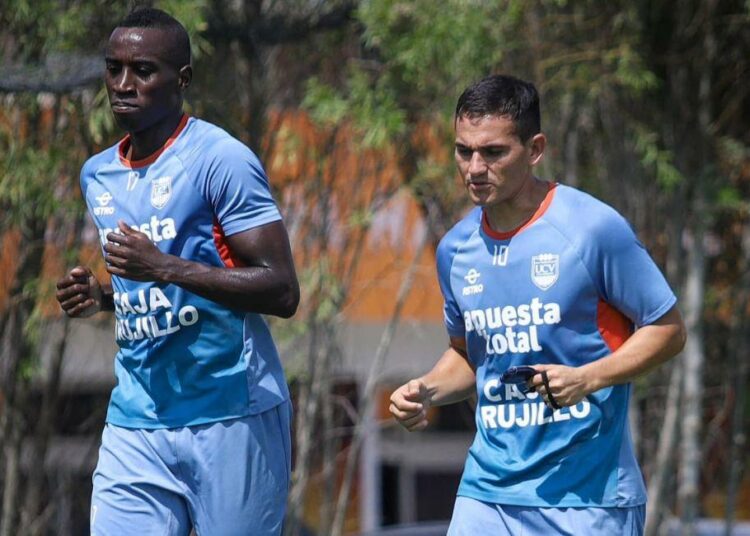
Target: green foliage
41, 27
421, 54
375, 110
368, 104
733, 153
428, 51
435, 177
360, 219
100, 121
28, 177
328, 293
730, 198
630, 71
424, 54
191, 13
324, 299
327, 107
657, 160
733, 156
44, 26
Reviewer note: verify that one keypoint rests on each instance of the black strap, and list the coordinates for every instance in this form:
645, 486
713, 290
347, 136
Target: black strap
550, 398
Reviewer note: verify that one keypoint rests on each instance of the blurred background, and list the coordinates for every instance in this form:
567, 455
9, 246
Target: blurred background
646, 104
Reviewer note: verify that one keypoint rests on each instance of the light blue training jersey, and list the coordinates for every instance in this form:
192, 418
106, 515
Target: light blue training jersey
566, 288
183, 359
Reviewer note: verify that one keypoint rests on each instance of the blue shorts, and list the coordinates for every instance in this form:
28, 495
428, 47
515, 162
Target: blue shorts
472, 517
223, 478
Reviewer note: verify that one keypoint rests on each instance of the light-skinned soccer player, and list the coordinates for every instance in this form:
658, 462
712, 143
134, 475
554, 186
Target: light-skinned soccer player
198, 425
542, 275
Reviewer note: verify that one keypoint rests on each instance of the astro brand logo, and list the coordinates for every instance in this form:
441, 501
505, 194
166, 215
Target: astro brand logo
104, 209
471, 277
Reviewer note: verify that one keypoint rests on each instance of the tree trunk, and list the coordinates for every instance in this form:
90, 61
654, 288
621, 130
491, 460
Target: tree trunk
688, 492
694, 357
12, 477
367, 396
329, 456
45, 425
664, 464
739, 348
322, 337
16, 347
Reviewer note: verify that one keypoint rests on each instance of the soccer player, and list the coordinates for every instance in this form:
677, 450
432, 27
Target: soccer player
541, 275
198, 425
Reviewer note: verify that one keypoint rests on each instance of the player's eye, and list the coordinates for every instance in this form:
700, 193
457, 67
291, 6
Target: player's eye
463, 152
493, 152
113, 68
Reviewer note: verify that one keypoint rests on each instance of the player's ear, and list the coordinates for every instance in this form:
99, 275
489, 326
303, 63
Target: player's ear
536, 144
185, 77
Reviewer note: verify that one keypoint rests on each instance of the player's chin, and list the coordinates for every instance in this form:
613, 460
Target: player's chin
129, 121
481, 200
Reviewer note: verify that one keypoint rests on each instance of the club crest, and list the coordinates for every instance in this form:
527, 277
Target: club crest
545, 269
161, 191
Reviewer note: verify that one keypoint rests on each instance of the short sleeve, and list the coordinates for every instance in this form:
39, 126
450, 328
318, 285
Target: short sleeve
627, 276
237, 188
454, 323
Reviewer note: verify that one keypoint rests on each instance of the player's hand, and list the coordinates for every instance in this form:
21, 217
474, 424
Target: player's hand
132, 255
409, 405
567, 385
79, 293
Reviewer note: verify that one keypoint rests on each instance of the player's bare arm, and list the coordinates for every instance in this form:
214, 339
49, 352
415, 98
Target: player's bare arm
452, 379
81, 295
646, 349
267, 283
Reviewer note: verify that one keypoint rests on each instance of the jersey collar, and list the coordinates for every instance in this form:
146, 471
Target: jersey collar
543, 206
124, 145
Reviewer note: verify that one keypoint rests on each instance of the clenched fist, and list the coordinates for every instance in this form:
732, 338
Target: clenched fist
79, 293
409, 405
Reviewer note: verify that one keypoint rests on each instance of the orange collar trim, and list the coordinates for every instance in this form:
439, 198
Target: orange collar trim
150, 159
537, 214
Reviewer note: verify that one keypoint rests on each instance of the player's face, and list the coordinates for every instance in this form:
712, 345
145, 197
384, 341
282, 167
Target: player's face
144, 88
493, 161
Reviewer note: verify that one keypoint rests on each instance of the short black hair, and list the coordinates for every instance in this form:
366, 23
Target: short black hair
503, 96
150, 17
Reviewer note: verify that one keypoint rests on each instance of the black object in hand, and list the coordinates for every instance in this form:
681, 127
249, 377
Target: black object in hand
518, 375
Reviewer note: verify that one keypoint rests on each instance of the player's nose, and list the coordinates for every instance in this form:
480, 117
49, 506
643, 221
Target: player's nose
124, 82
477, 165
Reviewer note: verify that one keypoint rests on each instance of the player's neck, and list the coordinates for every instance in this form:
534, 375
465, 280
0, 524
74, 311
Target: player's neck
514, 212
146, 142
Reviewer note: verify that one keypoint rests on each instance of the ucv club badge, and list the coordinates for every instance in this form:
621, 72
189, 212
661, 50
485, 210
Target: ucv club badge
545, 269
161, 191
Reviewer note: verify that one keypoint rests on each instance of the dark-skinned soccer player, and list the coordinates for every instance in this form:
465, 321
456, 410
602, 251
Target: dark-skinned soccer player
198, 425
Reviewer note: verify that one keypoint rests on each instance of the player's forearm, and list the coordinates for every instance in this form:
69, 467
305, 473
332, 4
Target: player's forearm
646, 349
257, 289
451, 379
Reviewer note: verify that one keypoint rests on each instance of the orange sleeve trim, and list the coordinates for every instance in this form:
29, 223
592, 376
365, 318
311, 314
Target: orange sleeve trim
614, 327
150, 159
227, 257
543, 206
